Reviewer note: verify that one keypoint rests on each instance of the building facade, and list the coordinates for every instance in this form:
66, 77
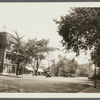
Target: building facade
6, 55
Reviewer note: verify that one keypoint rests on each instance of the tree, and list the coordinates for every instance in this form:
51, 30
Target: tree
17, 49
3, 40
80, 29
3, 46
59, 65
53, 67
72, 66
64, 66
37, 49
84, 70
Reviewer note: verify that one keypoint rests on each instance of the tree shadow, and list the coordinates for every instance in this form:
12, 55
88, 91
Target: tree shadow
11, 76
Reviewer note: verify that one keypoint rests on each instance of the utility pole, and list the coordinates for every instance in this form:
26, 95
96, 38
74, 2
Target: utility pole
95, 77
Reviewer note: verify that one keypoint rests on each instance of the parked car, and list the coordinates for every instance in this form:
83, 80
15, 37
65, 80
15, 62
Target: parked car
92, 77
71, 75
48, 74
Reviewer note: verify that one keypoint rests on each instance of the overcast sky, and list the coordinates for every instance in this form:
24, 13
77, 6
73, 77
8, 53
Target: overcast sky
36, 20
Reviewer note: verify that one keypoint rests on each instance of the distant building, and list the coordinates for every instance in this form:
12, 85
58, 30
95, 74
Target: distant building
40, 71
32, 71
28, 69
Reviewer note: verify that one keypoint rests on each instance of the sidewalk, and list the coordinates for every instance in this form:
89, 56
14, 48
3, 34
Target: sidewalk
91, 89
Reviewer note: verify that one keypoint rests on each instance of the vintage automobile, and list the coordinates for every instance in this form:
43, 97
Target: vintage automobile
48, 74
92, 77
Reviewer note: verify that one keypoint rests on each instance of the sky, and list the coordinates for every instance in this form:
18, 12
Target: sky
33, 20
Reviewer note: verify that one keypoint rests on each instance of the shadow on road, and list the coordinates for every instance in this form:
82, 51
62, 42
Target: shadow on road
11, 76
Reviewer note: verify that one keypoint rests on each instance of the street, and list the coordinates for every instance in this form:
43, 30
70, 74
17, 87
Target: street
41, 84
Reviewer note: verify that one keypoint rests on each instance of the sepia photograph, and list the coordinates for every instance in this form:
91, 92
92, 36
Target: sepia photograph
50, 48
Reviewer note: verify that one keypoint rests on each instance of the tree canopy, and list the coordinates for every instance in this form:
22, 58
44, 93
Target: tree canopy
80, 29
63, 66
3, 40
36, 49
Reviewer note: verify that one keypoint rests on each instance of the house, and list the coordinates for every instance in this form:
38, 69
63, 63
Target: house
29, 70
7, 57
40, 71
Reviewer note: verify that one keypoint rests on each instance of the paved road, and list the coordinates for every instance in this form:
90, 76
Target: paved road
42, 84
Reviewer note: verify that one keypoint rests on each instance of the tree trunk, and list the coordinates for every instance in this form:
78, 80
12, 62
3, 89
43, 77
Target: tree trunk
57, 72
3, 59
17, 69
95, 77
37, 66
